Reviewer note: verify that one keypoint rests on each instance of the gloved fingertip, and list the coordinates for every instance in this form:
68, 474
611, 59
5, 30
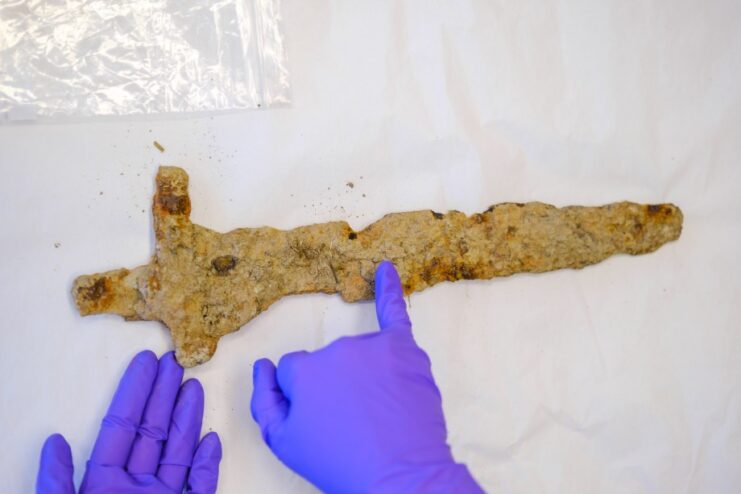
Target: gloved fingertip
191, 392
145, 358
55, 467
211, 446
204, 472
386, 270
169, 359
261, 366
56, 448
169, 373
389, 294
143, 367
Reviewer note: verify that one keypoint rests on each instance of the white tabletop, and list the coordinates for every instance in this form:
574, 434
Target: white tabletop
622, 377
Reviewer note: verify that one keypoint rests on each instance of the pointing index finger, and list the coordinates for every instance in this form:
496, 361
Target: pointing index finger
391, 309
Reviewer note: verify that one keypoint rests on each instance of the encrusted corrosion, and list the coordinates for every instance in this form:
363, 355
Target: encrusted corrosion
202, 284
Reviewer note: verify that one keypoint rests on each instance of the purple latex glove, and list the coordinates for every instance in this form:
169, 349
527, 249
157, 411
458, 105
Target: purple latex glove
148, 442
362, 414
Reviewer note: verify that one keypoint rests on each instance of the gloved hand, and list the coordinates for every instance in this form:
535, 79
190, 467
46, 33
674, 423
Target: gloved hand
148, 442
362, 414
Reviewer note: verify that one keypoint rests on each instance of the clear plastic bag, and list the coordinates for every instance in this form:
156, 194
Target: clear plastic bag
81, 58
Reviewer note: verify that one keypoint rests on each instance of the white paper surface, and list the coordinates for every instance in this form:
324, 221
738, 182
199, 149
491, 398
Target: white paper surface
620, 378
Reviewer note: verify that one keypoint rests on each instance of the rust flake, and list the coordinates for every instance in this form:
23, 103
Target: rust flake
174, 204
99, 295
